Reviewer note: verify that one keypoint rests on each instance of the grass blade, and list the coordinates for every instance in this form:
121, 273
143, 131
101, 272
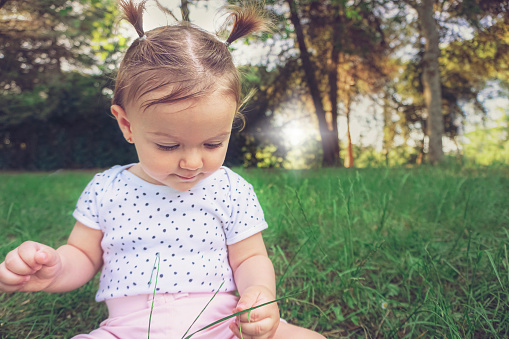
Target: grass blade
236, 314
495, 269
204, 308
158, 260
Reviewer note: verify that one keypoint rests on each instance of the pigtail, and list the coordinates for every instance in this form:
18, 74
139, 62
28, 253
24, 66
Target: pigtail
134, 14
246, 20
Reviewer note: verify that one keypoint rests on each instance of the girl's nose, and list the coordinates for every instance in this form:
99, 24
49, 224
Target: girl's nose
191, 161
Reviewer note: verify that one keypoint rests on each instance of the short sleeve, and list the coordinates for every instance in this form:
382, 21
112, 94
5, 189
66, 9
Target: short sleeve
247, 216
87, 207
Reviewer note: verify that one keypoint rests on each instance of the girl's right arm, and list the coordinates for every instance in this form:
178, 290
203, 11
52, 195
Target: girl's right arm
37, 267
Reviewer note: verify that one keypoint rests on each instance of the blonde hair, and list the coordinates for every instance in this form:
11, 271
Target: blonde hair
182, 58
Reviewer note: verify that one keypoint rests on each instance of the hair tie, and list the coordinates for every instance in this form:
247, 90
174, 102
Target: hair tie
227, 43
143, 37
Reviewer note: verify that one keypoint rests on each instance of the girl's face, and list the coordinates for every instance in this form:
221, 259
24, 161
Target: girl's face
182, 143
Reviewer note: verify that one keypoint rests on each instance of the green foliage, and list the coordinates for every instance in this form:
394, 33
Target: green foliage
487, 146
366, 157
55, 79
265, 157
379, 253
45, 37
474, 50
64, 124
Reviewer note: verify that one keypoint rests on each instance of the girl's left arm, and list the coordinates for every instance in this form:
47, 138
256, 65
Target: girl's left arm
255, 279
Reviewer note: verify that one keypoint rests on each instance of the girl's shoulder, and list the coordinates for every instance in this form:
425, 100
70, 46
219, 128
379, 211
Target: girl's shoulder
102, 180
236, 182
232, 177
113, 171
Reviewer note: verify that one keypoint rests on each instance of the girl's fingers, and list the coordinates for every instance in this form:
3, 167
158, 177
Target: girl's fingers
30, 257
235, 329
15, 263
29, 267
266, 311
259, 329
47, 256
255, 315
27, 252
9, 281
247, 300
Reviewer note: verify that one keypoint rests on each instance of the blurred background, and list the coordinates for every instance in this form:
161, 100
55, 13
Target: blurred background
338, 82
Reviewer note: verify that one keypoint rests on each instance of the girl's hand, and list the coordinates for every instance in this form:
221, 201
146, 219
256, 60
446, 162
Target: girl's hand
30, 267
260, 323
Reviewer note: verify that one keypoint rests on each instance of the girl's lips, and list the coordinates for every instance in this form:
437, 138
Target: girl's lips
186, 178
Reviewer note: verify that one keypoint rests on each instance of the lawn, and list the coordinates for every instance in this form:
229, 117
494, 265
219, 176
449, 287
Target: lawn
367, 253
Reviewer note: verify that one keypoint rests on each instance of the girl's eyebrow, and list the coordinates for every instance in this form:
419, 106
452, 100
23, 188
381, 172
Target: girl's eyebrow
223, 134
164, 134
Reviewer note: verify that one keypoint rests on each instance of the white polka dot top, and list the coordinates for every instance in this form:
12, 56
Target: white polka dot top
188, 230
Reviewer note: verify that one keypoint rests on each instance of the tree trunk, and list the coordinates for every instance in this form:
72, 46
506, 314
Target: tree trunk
330, 157
185, 10
431, 82
349, 155
388, 130
333, 83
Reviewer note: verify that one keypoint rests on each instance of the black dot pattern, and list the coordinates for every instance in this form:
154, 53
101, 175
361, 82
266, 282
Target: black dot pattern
190, 231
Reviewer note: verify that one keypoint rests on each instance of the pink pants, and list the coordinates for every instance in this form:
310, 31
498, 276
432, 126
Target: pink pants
172, 315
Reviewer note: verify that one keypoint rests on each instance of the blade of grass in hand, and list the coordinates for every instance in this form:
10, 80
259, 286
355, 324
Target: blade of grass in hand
236, 314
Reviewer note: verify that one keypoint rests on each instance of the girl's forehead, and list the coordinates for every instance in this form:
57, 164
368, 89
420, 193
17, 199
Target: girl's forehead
209, 110
176, 99
189, 122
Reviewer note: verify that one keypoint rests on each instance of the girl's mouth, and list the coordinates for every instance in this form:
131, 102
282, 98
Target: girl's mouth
186, 178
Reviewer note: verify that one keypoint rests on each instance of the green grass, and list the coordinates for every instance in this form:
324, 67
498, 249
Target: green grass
372, 253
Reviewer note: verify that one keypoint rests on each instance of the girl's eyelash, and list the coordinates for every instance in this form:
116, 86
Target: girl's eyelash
167, 148
174, 147
214, 145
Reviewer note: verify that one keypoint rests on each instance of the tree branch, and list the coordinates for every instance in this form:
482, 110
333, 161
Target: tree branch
185, 10
164, 9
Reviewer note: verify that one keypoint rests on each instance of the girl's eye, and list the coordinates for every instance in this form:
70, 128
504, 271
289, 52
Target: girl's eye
167, 148
212, 146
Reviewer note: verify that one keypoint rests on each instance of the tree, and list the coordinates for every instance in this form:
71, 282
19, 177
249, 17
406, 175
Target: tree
38, 39
434, 18
55, 75
330, 146
466, 63
332, 38
342, 51
431, 80
431, 84
184, 10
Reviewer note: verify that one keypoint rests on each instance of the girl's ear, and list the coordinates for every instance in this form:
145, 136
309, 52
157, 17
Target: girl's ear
123, 122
